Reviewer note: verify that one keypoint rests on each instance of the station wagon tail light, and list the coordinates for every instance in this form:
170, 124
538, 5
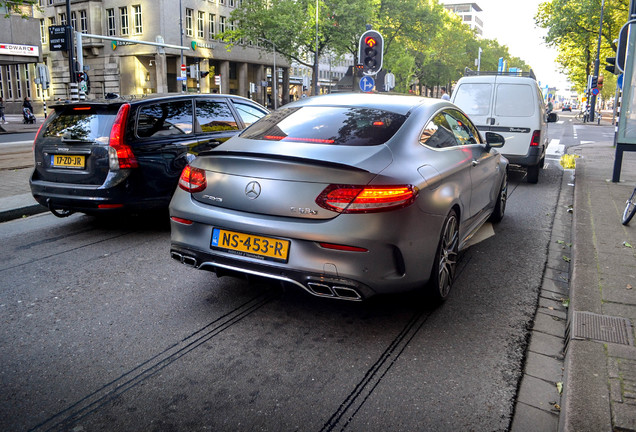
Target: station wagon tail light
120, 155
536, 138
192, 179
366, 199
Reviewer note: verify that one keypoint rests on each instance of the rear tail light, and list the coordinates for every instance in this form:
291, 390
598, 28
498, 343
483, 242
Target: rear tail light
192, 179
343, 247
36, 137
536, 138
120, 155
366, 199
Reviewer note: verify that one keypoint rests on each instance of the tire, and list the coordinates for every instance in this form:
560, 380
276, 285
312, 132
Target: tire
502, 198
533, 173
630, 208
445, 264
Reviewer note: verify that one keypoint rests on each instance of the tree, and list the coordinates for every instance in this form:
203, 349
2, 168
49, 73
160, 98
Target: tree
17, 7
573, 28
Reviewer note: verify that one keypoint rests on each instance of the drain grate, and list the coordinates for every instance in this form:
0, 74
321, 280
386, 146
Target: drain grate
601, 328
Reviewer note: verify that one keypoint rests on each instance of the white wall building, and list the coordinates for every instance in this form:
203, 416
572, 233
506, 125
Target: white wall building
469, 12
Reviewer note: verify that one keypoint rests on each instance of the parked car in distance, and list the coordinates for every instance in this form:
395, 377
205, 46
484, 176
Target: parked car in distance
513, 106
345, 196
119, 155
567, 108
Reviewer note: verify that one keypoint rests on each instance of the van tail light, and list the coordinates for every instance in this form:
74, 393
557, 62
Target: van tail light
192, 179
366, 199
120, 155
536, 138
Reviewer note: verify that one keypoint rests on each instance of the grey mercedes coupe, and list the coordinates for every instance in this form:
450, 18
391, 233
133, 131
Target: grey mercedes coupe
344, 195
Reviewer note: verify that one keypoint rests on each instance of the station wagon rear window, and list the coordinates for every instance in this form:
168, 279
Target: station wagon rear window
81, 123
327, 125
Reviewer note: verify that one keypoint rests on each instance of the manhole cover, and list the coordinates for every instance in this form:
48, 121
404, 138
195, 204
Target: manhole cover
602, 328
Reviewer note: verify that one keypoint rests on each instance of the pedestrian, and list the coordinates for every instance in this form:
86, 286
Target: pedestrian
27, 104
2, 111
445, 95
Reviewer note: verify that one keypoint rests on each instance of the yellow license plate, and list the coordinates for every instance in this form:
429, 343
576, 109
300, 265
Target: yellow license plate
250, 245
67, 161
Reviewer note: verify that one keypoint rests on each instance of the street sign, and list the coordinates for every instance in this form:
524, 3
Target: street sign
595, 91
217, 80
59, 38
367, 83
619, 81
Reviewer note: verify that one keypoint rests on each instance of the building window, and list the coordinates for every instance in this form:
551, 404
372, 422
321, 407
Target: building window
63, 19
221, 2
221, 24
83, 22
74, 20
111, 26
18, 82
43, 31
123, 20
189, 17
211, 26
231, 3
27, 80
200, 29
51, 21
137, 18
50, 2
9, 84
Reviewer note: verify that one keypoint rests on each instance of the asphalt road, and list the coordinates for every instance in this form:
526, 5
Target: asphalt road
101, 330
16, 150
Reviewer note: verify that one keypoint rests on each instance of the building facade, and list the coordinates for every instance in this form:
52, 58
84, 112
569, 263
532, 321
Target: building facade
469, 12
20, 50
127, 68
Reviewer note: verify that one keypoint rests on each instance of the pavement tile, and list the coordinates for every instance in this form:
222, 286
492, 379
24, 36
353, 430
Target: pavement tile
539, 393
616, 288
548, 324
544, 367
546, 344
553, 308
556, 286
530, 419
623, 417
621, 310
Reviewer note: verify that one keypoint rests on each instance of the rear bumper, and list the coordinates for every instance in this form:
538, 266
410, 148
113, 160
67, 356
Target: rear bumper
116, 194
534, 156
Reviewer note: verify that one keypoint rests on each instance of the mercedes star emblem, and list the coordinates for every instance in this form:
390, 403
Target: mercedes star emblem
253, 190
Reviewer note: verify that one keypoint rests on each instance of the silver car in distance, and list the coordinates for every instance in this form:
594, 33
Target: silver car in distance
345, 196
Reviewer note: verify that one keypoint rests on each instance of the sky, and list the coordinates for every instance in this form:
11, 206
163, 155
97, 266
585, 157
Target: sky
511, 22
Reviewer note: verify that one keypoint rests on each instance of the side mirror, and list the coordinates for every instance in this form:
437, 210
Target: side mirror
553, 117
494, 140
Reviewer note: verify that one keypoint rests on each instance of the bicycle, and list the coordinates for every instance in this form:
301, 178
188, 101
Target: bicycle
583, 115
630, 208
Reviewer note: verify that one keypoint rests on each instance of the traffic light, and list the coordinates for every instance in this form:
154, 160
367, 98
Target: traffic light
611, 65
593, 82
81, 76
599, 84
370, 52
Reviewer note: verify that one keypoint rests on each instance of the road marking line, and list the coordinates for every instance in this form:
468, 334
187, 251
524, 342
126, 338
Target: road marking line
555, 148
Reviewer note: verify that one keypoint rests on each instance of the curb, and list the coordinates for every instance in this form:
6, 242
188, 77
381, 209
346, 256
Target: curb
20, 212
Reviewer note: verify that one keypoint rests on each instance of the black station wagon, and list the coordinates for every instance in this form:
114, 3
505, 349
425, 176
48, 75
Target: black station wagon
119, 155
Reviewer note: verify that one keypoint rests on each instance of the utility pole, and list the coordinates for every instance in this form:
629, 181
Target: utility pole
70, 34
597, 63
183, 83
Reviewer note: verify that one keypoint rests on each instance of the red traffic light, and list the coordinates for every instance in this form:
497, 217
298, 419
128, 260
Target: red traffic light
370, 41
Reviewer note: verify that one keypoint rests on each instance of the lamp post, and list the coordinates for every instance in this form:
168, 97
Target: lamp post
183, 83
274, 74
316, 56
597, 62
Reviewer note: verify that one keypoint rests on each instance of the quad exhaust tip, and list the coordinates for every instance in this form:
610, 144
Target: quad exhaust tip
335, 291
184, 259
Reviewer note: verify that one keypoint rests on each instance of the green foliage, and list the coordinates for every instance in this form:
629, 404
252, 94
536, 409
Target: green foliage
573, 28
18, 7
423, 42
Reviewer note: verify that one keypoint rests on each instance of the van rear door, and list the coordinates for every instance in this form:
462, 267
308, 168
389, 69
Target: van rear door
475, 98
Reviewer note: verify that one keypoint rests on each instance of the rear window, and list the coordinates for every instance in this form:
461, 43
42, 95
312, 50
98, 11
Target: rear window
514, 100
165, 119
81, 124
474, 99
327, 125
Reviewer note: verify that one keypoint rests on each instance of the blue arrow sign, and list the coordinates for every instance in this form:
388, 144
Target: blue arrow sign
620, 81
367, 83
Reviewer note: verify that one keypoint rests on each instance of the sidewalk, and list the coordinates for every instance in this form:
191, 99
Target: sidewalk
587, 301
600, 366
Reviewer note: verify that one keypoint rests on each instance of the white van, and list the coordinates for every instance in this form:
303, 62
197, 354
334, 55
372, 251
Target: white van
513, 107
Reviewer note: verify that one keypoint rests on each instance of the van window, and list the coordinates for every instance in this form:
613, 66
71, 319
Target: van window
474, 98
514, 100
